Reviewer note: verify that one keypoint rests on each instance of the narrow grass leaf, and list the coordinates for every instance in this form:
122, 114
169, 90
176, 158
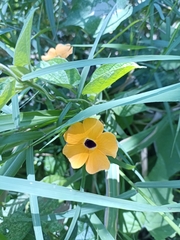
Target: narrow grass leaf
63, 193
101, 230
159, 184
50, 13
74, 222
165, 94
33, 198
7, 48
15, 111
112, 190
85, 208
12, 166
97, 61
30, 119
91, 54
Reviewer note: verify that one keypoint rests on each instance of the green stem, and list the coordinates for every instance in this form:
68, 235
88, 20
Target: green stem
8, 71
119, 34
83, 179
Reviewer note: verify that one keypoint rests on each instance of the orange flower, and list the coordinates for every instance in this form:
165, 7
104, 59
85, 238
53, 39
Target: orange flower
60, 50
88, 144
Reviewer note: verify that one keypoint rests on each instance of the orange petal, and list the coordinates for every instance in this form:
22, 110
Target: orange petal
93, 127
64, 50
75, 133
107, 144
96, 162
77, 154
50, 54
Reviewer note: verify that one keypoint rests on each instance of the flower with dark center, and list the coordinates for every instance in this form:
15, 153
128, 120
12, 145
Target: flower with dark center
88, 144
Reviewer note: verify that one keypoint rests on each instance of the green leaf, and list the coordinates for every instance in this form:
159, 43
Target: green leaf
151, 221
56, 179
7, 48
22, 49
98, 61
165, 156
2, 237
19, 137
54, 191
30, 119
100, 228
112, 190
130, 110
106, 75
7, 90
19, 72
122, 12
50, 13
80, 15
63, 78
84, 231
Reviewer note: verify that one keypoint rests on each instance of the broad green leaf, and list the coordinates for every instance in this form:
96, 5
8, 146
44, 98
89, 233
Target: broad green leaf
90, 14
63, 78
7, 90
138, 141
165, 157
16, 224
106, 75
22, 49
56, 179
130, 110
2, 237
86, 14
171, 65
84, 231
164, 231
123, 11
151, 221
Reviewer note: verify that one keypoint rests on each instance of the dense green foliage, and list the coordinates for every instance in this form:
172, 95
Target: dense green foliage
124, 70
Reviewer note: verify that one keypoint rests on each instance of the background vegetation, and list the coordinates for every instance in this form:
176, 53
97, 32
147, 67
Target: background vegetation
125, 71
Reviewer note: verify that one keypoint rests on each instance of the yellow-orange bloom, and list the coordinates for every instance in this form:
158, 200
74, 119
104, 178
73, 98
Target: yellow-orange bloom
88, 144
60, 50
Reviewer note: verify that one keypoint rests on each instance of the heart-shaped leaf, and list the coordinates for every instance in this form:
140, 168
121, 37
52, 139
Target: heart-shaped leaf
106, 75
64, 78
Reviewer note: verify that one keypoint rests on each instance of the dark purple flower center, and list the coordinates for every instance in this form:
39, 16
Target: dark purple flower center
90, 143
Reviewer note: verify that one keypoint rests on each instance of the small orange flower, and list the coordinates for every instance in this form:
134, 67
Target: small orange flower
88, 144
60, 50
